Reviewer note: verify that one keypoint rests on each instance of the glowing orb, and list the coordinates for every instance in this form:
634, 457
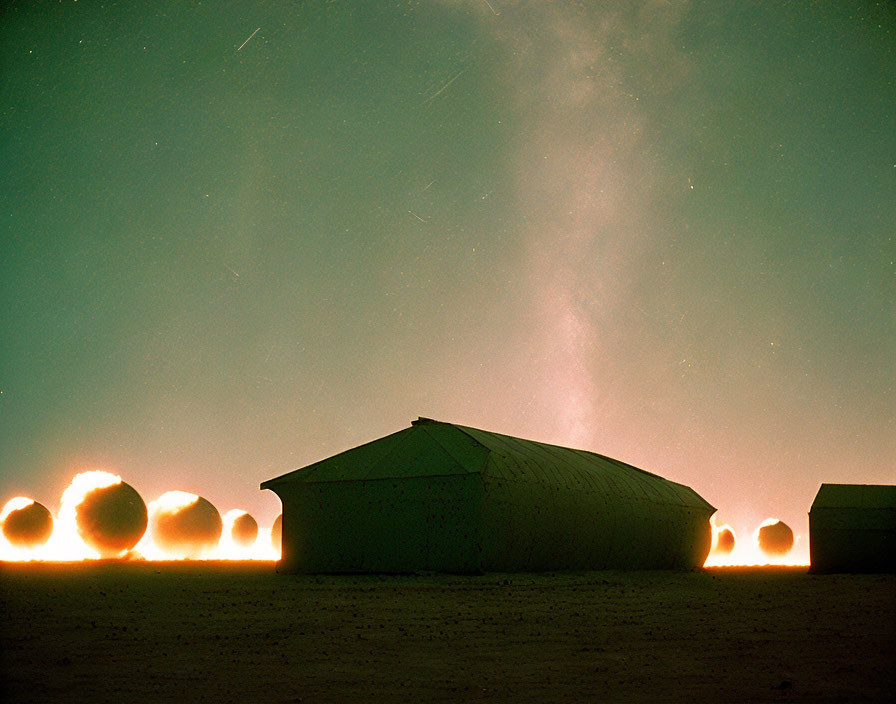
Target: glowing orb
277, 533
243, 529
184, 525
724, 540
100, 516
26, 523
112, 519
775, 537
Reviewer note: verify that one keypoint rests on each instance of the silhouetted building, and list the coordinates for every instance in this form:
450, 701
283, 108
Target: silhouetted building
852, 528
447, 498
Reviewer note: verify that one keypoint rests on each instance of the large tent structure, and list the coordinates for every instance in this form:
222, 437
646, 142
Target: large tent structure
852, 528
447, 498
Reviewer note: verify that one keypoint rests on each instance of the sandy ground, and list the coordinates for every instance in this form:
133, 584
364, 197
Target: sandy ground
221, 632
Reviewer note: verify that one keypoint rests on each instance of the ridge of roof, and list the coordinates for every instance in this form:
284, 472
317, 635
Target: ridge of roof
452, 452
565, 456
564, 448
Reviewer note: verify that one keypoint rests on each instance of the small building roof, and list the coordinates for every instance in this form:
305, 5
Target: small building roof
864, 496
433, 448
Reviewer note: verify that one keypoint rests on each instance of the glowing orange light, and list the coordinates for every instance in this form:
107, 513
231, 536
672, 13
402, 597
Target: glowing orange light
182, 525
66, 542
26, 527
232, 548
14, 504
239, 528
240, 537
724, 539
747, 552
277, 534
233, 545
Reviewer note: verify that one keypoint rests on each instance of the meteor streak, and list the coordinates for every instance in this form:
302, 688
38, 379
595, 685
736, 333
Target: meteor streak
434, 95
250, 36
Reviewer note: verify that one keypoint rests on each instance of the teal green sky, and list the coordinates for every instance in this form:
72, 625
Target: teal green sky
663, 231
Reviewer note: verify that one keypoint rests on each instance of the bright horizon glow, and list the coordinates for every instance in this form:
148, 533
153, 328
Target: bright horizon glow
747, 552
261, 549
66, 545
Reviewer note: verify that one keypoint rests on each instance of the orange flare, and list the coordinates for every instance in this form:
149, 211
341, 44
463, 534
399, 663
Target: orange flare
27, 525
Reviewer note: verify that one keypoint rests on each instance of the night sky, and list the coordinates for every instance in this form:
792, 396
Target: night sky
662, 231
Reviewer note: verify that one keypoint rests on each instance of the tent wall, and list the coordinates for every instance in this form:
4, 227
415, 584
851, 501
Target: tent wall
464, 524
536, 527
389, 526
852, 540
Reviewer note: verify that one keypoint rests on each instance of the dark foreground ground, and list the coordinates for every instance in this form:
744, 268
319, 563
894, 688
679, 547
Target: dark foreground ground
218, 632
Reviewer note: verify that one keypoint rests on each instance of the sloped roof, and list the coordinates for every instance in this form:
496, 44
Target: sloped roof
865, 496
434, 448
419, 451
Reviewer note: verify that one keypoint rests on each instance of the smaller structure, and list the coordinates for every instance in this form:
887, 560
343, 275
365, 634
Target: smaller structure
852, 528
